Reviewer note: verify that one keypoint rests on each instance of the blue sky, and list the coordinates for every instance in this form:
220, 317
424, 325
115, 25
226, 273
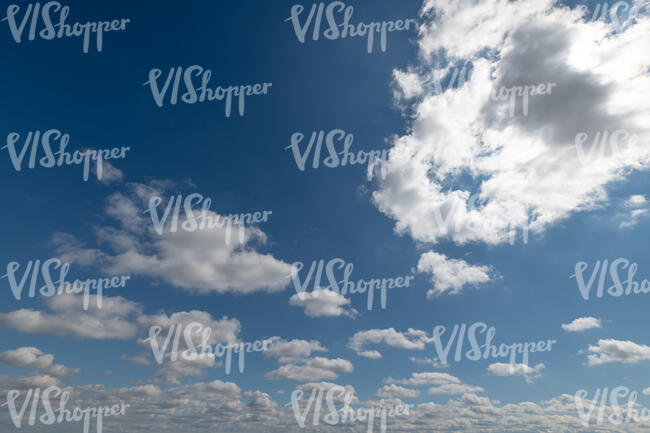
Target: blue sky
242, 164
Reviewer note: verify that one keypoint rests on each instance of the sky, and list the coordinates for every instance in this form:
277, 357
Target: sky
486, 208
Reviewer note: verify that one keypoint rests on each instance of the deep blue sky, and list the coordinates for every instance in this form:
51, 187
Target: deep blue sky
242, 165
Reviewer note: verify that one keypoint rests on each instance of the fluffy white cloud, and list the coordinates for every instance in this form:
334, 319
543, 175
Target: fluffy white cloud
427, 378
611, 350
636, 200
443, 383
412, 339
35, 358
287, 350
317, 368
113, 320
505, 369
526, 169
323, 303
581, 324
396, 391
338, 397
210, 260
450, 275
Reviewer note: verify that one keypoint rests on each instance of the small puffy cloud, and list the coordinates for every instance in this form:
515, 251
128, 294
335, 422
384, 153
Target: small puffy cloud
505, 369
396, 391
451, 275
67, 317
283, 349
323, 303
454, 388
582, 324
338, 395
35, 358
427, 378
371, 354
412, 339
610, 350
317, 368
635, 200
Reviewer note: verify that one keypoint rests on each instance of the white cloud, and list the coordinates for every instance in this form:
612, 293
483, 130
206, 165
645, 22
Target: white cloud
454, 388
636, 200
450, 275
317, 368
396, 391
611, 350
371, 354
582, 324
35, 358
526, 170
200, 261
505, 369
443, 383
427, 378
287, 350
110, 173
112, 320
413, 339
323, 303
